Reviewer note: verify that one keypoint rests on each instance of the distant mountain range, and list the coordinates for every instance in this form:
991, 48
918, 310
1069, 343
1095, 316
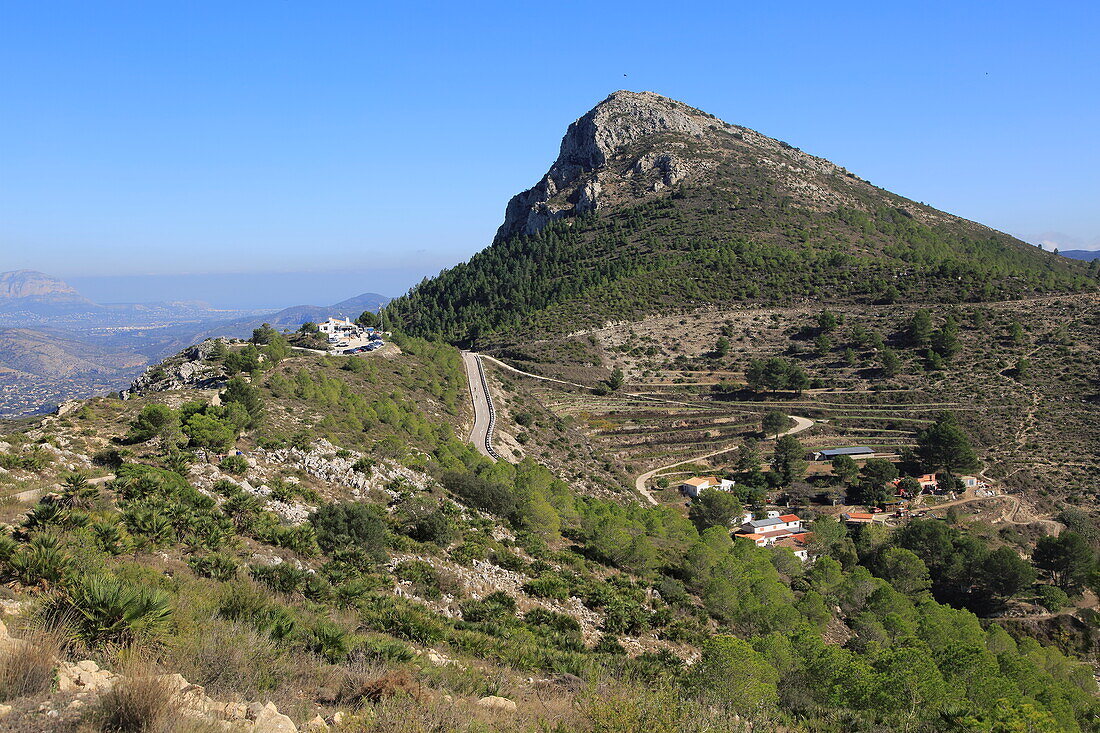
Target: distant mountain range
56, 344
294, 316
1088, 255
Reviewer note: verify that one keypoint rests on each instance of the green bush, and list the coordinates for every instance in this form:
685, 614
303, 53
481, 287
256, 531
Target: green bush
426, 579
480, 493
234, 464
467, 552
281, 578
560, 622
403, 620
351, 524
496, 606
386, 650
1051, 597
216, 566
548, 586
331, 641
101, 609
41, 562
111, 537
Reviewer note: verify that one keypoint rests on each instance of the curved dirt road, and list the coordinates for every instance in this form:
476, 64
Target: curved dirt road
800, 424
484, 413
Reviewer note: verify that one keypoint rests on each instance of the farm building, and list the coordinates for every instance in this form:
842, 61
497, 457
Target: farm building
861, 517
692, 486
856, 452
970, 482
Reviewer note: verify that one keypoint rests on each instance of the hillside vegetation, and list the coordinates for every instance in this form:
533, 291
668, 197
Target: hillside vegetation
359, 559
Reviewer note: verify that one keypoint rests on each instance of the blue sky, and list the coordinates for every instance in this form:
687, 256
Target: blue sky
383, 140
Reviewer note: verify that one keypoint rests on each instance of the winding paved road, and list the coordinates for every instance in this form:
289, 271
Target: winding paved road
484, 413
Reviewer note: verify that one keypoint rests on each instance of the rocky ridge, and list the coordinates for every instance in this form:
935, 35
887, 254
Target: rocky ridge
634, 145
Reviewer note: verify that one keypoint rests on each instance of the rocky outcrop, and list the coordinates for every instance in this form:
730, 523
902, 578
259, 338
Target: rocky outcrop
192, 368
325, 462
573, 185
635, 145
500, 704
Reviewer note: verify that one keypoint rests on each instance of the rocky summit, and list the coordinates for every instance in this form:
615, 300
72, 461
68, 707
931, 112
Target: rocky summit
633, 145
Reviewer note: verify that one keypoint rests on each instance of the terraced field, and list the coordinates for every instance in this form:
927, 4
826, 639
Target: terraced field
1023, 382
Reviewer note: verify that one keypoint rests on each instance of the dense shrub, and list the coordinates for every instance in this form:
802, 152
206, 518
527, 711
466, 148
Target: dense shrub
351, 524
235, 464
480, 493
216, 566
548, 586
102, 609
496, 606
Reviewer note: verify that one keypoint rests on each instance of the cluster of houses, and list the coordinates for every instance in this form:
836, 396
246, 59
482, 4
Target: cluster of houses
348, 337
772, 530
786, 530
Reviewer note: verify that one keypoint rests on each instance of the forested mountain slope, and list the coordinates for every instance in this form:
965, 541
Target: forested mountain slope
655, 206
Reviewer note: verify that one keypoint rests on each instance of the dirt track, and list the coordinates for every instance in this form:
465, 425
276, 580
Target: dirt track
801, 423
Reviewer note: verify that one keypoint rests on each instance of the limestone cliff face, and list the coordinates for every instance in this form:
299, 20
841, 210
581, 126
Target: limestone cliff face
573, 185
636, 145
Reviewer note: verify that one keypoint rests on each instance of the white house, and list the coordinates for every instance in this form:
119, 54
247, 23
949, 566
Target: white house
337, 326
786, 523
970, 482
693, 486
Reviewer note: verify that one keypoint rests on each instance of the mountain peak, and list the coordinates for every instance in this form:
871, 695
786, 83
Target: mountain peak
33, 284
572, 185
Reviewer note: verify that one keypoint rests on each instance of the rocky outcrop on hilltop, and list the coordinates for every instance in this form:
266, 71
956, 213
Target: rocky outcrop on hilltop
192, 368
634, 145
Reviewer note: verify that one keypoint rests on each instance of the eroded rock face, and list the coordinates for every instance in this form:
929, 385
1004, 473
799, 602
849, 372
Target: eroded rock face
572, 184
636, 145
192, 368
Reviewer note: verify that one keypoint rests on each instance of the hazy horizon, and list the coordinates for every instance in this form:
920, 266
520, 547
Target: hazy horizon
212, 137
246, 291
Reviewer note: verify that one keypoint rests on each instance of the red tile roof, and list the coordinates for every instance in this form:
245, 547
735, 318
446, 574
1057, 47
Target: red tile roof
795, 540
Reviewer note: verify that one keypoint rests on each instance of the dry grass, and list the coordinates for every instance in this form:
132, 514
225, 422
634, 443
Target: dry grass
142, 702
27, 664
229, 658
